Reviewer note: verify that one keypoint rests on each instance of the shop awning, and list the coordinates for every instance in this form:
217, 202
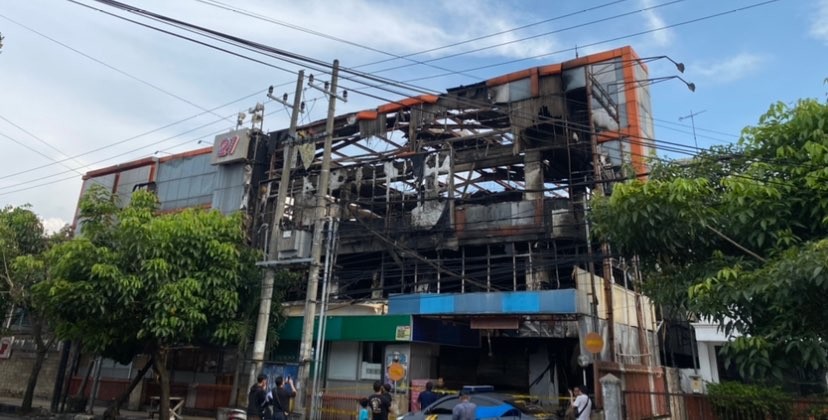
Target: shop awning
492, 303
354, 328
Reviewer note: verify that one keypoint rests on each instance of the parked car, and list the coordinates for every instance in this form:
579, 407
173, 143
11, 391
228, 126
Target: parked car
489, 406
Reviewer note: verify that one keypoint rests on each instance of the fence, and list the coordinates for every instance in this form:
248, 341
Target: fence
638, 406
637, 378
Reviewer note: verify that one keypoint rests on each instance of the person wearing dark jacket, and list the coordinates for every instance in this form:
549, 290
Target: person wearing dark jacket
280, 397
257, 399
428, 396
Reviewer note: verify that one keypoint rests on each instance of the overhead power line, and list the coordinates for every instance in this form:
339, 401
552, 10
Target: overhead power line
216, 3
606, 41
109, 66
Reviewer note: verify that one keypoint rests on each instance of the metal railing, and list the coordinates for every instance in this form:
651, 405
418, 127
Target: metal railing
641, 405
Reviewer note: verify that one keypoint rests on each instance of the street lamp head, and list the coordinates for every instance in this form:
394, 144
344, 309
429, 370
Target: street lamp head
680, 67
692, 87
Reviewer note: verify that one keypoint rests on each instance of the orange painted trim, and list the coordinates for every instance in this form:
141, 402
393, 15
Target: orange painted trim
119, 168
367, 115
595, 58
511, 77
549, 70
115, 183
407, 103
534, 82
187, 154
633, 118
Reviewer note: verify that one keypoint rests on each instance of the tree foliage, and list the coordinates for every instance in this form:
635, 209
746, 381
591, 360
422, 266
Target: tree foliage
137, 281
739, 234
23, 243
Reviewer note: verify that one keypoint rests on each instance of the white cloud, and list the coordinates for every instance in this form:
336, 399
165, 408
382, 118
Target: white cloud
53, 224
819, 25
661, 38
730, 69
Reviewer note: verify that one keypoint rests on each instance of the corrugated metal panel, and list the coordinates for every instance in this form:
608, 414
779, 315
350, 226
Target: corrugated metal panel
187, 182
129, 179
228, 195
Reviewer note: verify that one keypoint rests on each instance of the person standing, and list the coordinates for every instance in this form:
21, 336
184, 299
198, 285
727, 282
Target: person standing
427, 397
364, 414
464, 410
257, 398
280, 397
379, 403
583, 405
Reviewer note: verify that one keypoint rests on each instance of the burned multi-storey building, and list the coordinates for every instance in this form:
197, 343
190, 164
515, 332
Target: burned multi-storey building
460, 243
456, 241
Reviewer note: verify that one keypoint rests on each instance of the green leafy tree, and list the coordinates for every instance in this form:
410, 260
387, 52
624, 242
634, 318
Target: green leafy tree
740, 235
23, 242
136, 281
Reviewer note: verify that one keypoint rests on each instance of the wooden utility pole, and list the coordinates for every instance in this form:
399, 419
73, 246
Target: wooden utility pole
306, 345
260, 341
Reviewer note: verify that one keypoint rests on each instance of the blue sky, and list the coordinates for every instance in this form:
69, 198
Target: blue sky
103, 86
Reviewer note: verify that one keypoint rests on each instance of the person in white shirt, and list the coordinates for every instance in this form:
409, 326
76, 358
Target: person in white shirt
583, 405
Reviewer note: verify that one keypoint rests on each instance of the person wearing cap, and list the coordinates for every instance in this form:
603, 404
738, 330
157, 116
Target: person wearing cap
465, 409
257, 398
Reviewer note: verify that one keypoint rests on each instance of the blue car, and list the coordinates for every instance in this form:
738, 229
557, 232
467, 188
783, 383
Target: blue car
489, 406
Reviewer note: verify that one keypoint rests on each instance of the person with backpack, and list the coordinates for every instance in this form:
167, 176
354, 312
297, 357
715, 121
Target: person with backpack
257, 399
582, 404
379, 403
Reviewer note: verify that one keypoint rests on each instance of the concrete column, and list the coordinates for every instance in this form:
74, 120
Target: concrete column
611, 392
533, 170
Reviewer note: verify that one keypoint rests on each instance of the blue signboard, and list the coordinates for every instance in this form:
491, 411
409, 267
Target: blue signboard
285, 370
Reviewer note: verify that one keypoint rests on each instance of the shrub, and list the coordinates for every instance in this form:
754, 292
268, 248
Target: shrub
733, 400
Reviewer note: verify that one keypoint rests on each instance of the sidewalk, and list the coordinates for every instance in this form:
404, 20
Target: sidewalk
41, 410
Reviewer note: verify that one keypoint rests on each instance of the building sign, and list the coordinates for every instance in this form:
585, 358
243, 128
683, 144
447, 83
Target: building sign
6, 347
403, 333
231, 147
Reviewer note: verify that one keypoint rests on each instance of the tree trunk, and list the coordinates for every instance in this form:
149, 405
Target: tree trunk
26, 407
85, 382
41, 349
73, 370
61, 375
113, 411
234, 392
93, 394
160, 366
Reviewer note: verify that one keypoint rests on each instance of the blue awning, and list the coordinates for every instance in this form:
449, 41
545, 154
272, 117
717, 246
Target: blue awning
485, 303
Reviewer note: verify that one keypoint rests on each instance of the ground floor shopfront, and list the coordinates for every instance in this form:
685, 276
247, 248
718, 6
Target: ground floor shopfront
525, 344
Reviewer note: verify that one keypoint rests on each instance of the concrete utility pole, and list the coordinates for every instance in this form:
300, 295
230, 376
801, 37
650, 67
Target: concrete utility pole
305, 347
605, 250
260, 342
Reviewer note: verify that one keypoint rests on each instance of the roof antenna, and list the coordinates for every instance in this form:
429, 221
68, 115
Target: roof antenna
576, 50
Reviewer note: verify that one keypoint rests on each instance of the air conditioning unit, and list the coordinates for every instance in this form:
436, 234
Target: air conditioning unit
370, 371
294, 244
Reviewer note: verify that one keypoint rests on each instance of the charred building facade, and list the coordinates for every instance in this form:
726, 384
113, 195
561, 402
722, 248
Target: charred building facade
456, 241
459, 244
